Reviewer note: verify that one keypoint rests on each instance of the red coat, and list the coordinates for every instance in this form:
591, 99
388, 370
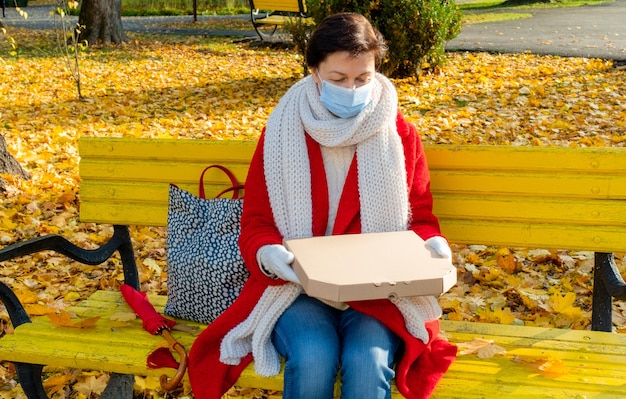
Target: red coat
420, 367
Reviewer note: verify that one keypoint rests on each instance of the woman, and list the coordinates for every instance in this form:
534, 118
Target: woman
336, 157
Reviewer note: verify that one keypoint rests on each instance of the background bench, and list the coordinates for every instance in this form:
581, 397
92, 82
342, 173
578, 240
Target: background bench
565, 198
267, 15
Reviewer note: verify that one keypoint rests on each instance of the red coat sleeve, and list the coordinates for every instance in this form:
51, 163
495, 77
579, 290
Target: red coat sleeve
257, 221
422, 219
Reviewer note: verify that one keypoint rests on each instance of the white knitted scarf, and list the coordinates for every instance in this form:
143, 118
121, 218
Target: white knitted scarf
383, 188
383, 194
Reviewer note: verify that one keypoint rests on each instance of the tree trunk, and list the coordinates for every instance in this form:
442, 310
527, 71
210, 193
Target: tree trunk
100, 21
8, 164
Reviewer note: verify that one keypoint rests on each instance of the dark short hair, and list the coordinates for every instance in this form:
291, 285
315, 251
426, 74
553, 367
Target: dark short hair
349, 32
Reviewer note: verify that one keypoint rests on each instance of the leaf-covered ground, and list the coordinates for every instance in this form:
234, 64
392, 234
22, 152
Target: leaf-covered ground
192, 87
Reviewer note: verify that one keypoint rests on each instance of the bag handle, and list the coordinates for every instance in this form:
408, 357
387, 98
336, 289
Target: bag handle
235, 189
235, 186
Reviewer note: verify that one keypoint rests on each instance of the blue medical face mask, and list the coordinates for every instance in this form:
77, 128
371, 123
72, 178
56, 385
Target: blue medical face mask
344, 102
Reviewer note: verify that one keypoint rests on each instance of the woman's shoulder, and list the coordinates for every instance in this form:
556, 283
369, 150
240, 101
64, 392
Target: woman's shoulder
411, 141
406, 130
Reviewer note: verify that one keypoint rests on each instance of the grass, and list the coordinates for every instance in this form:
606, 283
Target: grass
492, 17
475, 12
500, 4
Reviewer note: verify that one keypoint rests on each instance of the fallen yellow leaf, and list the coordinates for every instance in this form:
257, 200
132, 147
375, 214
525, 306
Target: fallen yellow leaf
92, 385
483, 348
507, 261
123, 316
64, 319
547, 367
57, 382
38, 310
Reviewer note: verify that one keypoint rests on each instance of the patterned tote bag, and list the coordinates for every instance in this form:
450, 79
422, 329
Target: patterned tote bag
205, 270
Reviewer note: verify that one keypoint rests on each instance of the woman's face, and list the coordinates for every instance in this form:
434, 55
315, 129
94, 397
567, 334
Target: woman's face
342, 69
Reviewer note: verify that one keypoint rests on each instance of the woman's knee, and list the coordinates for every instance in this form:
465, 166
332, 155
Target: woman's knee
367, 357
311, 351
311, 365
367, 374
306, 336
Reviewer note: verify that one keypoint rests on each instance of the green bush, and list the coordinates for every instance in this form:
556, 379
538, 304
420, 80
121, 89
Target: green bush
415, 30
18, 3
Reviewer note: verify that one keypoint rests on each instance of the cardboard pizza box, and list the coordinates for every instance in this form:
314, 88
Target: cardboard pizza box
356, 267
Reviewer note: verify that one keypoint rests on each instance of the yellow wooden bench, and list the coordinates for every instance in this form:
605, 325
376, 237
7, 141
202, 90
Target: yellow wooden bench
267, 15
564, 198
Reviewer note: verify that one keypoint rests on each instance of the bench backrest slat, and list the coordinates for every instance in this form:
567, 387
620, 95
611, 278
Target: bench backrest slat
126, 181
530, 196
558, 159
539, 210
295, 6
549, 183
569, 198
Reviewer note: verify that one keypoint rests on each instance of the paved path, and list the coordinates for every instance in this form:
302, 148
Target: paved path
597, 31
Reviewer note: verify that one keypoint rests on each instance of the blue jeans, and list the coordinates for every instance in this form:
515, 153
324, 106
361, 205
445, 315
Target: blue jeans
318, 340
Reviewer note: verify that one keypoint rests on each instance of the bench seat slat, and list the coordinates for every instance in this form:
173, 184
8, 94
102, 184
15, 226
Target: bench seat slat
89, 350
282, 20
592, 361
466, 331
500, 379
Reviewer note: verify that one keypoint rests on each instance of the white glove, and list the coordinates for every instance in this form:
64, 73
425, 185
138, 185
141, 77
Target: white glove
440, 246
275, 260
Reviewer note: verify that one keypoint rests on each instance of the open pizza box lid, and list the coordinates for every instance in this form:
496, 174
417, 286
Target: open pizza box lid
356, 267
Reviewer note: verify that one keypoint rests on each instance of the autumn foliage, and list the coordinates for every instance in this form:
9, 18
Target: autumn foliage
209, 88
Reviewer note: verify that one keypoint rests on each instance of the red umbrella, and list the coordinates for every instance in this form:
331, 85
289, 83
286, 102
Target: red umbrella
156, 324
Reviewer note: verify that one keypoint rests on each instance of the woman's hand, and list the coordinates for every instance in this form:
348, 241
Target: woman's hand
440, 246
275, 261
